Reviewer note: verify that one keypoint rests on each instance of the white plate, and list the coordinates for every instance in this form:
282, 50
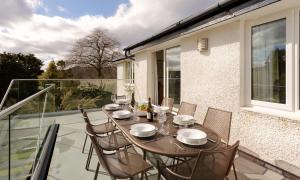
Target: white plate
112, 106
122, 101
122, 114
192, 136
142, 135
143, 130
161, 108
181, 139
183, 120
121, 117
175, 121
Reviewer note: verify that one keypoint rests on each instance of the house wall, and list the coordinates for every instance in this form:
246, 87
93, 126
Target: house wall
141, 76
212, 79
216, 79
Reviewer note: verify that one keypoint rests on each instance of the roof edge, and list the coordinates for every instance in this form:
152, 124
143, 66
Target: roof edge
220, 6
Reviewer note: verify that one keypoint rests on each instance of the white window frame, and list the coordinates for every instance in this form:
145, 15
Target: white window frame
166, 74
129, 77
296, 12
290, 56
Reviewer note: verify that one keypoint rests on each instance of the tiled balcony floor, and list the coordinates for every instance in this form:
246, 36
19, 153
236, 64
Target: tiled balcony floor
69, 163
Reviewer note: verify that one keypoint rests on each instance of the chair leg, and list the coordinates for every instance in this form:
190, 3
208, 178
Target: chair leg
158, 169
234, 171
144, 155
88, 161
146, 176
96, 172
84, 143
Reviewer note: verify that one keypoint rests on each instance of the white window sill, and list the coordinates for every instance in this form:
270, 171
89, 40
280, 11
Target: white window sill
293, 116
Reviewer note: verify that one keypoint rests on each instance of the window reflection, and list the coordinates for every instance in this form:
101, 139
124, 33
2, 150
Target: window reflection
268, 53
173, 74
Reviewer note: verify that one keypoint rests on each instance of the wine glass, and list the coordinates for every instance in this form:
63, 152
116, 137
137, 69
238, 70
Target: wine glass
113, 98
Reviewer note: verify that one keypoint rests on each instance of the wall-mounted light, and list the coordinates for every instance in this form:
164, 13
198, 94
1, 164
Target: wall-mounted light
203, 44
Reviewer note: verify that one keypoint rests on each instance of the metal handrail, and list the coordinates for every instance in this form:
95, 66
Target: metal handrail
20, 104
6, 94
65, 79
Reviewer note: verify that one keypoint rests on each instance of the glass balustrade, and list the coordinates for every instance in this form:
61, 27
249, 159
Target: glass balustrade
23, 129
29, 109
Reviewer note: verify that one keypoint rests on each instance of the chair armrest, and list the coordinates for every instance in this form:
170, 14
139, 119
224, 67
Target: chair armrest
177, 175
172, 172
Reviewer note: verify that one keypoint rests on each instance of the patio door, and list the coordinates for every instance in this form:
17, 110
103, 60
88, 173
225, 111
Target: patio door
160, 75
173, 74
169, 74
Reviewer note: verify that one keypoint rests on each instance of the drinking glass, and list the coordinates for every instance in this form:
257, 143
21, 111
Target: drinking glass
166, 127
162, 118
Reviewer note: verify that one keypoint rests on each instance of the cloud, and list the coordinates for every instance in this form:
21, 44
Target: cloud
12, 11
52, 37
61, 9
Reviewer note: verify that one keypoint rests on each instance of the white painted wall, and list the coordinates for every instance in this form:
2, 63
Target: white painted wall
141, 75
216, 79
212, 79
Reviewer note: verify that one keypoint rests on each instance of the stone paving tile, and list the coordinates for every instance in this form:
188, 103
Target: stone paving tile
239, 175
287, 166
68, 162
269, 175
245, 166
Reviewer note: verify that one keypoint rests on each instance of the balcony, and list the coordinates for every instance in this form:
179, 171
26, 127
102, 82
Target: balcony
28, 129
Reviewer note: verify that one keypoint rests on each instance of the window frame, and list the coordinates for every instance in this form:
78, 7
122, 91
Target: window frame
166, 74
289, 105
129, 67
296, 13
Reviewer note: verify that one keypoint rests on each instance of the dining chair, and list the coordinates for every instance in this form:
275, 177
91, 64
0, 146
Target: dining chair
220, 122
187, 109
110, 141
209, 165
123, 164
103, 128
169, 102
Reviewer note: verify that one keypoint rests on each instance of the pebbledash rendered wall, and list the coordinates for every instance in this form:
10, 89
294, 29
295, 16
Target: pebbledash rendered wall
212, 79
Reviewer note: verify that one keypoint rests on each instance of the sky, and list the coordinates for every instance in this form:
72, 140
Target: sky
49, 28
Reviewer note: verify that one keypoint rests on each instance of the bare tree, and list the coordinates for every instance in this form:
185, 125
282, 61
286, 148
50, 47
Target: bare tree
96, 50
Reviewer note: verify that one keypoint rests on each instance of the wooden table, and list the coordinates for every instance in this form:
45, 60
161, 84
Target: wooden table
166, 145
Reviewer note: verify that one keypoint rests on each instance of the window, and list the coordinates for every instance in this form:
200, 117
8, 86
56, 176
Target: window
268, 62
129, 70
172, 74
270, 58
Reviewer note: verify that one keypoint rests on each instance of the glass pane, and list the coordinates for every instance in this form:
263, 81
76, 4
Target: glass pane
128, 70
24, 142
269, 62
4, 147
173, 74
160, 75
